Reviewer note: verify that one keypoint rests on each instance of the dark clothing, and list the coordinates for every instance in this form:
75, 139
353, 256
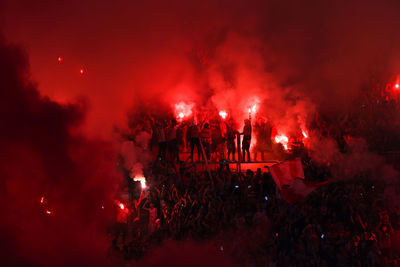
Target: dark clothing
246, 147
173, 149
246, 141
195, 141
231, 148
231, 136
207, 149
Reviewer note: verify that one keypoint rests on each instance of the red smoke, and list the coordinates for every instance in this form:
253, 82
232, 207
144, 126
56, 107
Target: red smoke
54, 180
289, 58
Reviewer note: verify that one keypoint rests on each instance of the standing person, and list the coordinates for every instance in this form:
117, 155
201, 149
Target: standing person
230, 139
173, 147
246, 139
262, 130
205, 136
194, 133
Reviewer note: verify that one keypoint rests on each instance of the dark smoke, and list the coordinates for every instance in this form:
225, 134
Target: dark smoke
42, 154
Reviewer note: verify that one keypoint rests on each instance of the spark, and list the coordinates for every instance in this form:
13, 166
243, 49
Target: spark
223, 114
397, 86
121, 206
304, 134
81, 71
60, 59
42, 200
48, 212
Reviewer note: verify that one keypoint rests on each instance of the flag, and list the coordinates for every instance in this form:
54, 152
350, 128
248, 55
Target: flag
289, 178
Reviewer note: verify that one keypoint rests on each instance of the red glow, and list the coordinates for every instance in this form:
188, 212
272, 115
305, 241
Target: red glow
121, 206
41, 200
304, 134
396, 86
142, 181
223, 114
282, 139
81, 71
253, 109
60, 59
183, 110
48, 212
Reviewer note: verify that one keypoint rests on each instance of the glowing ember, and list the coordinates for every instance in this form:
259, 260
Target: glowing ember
142, 181
223, 114
397, 86
304, 134
48, 212
60, 59
81, 71
183, 110
42, 200
282, 139
121, 206
102, 207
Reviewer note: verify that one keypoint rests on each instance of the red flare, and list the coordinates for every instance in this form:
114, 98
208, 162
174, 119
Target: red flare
304, 134
223, 114
60, 59
183, 110
282, 139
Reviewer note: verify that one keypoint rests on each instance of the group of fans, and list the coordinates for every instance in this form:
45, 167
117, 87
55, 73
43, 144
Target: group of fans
217, 137
345, 223
243, 216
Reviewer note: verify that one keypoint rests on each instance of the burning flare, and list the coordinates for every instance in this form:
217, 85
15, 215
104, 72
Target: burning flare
142, 181
183, 110
223, 114
282, 139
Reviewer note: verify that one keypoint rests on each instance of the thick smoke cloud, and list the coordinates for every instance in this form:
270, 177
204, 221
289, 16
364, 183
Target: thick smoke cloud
43, 155
221, 54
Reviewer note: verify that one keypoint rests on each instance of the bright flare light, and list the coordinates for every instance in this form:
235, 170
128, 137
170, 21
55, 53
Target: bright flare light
41, 200
142, 181
48, 212
304, 134
397, 86
121, 206
81, 71
282, 139
183, 110
223, 114
60, 59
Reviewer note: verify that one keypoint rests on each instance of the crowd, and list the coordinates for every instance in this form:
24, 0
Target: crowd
344, 223
341, 224
218, 137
